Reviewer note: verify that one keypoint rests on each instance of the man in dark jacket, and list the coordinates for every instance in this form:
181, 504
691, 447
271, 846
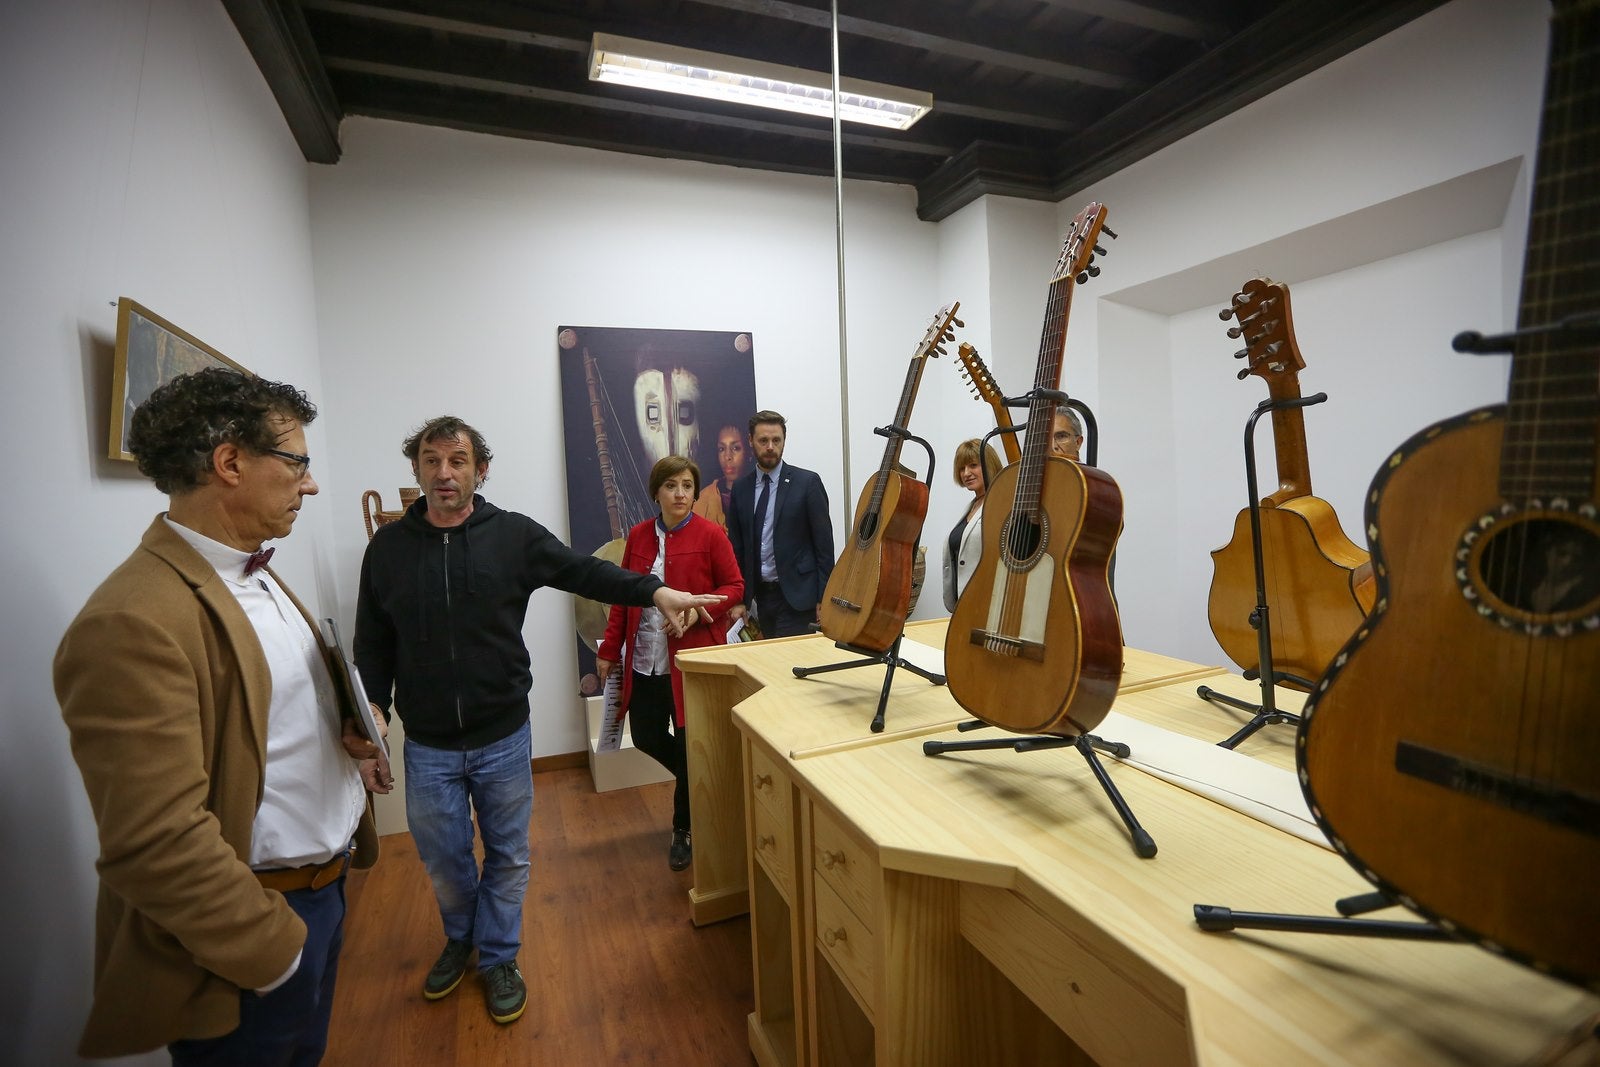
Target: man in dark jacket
439, 615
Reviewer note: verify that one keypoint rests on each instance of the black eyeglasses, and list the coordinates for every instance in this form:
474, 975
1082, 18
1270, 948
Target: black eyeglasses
293, 457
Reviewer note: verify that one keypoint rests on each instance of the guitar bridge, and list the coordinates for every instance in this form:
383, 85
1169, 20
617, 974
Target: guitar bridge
1565, 808
843, 603
1007, 645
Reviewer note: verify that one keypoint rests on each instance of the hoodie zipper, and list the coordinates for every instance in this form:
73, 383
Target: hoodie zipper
450, 631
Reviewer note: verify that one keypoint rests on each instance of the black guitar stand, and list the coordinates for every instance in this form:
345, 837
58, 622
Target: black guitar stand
1213, 918
890, 658
1086, 744
1265, 713
1143, 844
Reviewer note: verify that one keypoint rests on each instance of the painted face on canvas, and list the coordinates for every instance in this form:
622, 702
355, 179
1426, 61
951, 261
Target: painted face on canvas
730, 453
667, 404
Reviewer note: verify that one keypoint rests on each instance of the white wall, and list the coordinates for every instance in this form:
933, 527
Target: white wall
144, 157
1389, 189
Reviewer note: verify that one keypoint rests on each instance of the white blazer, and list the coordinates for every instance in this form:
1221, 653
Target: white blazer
958, 572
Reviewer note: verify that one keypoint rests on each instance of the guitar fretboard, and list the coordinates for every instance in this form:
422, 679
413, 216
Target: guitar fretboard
1553, 404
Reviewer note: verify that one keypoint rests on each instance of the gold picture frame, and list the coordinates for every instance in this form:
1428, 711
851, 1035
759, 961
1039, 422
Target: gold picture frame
150, 352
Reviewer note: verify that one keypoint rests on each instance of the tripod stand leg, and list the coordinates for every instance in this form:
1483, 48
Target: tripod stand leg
1143, 844
1214, 918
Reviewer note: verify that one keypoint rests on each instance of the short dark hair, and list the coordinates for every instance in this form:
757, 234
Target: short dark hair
670, 466
175, 431
446, 428
768, 416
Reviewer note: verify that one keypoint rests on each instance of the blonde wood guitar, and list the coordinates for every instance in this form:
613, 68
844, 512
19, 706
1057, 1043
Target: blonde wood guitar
1319, 585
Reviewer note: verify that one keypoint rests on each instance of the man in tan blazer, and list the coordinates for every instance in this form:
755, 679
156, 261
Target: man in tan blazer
216, 747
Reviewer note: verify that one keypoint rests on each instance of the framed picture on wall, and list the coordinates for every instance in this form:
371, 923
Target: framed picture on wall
150, 352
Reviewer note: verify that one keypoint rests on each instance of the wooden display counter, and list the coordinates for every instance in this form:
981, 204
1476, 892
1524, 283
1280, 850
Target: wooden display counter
986, 907
825, 712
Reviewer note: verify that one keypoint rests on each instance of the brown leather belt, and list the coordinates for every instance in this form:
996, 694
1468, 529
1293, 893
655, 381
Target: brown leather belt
311, 876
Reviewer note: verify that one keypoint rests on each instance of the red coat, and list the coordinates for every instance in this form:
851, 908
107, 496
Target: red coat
699, 560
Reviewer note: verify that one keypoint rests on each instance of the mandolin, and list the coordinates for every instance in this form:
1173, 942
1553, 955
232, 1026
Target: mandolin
869, 592
1452, 750
1319, 585
1035, 644
984, 388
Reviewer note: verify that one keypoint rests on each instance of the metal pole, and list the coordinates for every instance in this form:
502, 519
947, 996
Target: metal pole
838, 229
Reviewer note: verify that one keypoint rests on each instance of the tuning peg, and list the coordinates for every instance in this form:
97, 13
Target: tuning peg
1241, 353
1225, 314
959, 323
1235, 331
1099, 251
1109, 232
1245, 373
1083, 276
1274, 348
1094, 270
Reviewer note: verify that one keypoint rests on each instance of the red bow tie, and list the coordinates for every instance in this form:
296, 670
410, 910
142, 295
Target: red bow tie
256, 561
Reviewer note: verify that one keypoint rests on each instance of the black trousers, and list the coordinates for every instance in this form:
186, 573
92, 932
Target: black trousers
777, 617
651, 719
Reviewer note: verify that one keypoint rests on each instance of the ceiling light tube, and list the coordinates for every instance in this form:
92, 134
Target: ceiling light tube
648, 65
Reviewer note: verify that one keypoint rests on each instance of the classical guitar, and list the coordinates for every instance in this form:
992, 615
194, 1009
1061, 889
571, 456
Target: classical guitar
1319, 585
1452, 750
1035, 644
869, 592
976, 372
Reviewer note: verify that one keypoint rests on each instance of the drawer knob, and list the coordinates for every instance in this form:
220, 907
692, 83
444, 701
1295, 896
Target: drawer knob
763, 781
832, 859
833, 937
766, 841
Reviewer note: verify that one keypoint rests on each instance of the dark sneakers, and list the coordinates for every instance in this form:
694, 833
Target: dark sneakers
679, 853
447, 970
506, 993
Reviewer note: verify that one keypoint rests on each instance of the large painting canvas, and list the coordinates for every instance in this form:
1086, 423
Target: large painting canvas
150, 352
630, 397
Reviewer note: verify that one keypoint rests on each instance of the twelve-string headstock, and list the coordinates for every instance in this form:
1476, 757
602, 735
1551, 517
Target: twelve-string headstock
1261, 311
976, 372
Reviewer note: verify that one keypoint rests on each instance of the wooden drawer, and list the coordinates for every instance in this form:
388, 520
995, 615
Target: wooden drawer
847, 944
772, 843
769, 784
847, 865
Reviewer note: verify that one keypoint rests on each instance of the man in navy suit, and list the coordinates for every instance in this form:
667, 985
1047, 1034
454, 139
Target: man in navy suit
778, 523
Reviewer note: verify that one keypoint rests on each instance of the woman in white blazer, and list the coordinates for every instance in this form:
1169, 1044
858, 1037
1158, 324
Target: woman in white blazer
965, 543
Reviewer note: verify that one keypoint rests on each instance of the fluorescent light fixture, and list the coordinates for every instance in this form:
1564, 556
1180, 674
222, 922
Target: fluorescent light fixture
648, 65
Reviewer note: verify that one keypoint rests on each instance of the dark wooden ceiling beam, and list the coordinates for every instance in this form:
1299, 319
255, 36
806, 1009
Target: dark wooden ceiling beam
1174, 23
276, 34
940, 34
437, 24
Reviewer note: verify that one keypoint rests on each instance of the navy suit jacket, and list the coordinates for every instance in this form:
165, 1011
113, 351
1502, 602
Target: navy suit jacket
802, 535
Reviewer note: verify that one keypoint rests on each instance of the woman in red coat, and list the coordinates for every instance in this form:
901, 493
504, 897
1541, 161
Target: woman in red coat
686, 552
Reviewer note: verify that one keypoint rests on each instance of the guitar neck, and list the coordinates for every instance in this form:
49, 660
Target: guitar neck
1553, 404
1288, 442
902, 418
1042, 410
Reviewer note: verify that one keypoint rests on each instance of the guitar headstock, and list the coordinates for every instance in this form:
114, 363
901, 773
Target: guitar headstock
1261, 310
976, 372
1080, 247
939, 331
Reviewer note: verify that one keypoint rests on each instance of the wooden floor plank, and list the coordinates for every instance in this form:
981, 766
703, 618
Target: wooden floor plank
616, 973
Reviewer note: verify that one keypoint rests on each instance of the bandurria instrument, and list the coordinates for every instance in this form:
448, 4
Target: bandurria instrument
984, 388
1034, 644
1319, 585
869, 592
1452, 751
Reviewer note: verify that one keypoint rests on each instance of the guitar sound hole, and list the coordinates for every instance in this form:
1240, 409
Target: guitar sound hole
868, 527
1022, 539
1546, 568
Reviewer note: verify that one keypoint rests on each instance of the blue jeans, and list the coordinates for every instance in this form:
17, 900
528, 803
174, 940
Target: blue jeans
443, 789
287, 1027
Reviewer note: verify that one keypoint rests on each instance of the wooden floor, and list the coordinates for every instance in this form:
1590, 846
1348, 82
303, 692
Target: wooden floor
616, 973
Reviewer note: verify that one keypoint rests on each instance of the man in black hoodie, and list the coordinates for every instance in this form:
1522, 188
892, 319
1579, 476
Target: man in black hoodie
439, 616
